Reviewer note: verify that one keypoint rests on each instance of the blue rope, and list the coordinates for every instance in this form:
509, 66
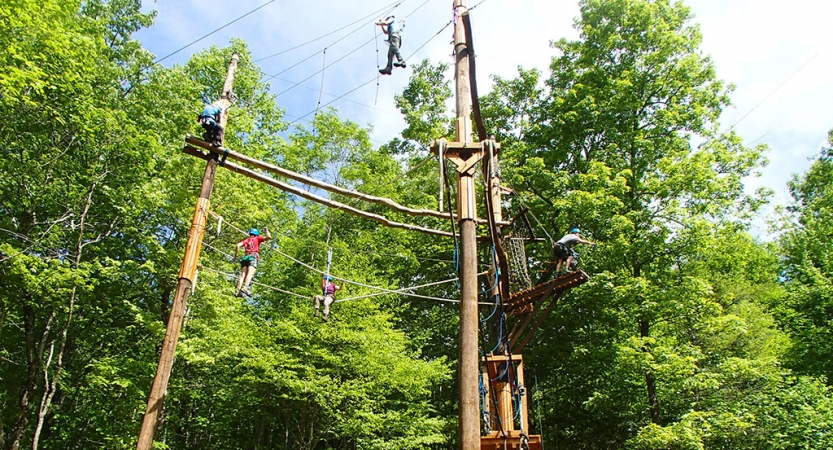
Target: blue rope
500, 333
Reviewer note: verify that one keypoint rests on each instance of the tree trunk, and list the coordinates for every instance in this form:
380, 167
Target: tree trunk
51, 387
650, 379
34, 350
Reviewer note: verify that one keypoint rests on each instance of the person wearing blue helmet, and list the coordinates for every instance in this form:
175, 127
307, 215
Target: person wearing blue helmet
327, 297
248, 263
209, 118
564, 249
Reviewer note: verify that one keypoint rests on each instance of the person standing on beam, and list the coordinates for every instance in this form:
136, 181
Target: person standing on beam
248, 263
393, 29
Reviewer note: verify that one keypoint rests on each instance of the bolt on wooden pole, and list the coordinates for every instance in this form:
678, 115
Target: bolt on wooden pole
186, 279
469, 407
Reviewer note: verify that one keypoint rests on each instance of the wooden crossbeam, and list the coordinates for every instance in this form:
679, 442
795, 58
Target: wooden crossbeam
511, 441
310, 196
277, 170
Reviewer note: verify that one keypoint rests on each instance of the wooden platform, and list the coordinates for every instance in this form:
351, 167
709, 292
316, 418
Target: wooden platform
521, 302
496, 441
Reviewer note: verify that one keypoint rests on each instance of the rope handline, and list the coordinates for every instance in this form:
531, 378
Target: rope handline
421, 258
384, 290
292, 67
401, 291
231, 275
321, 89
373, 14
317, 72
376, 40
388, 291
552, 242
429, 40
774, 90
230, 258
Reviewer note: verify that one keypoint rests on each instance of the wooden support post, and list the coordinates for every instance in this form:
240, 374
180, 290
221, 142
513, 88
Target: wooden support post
469, 362
186, 279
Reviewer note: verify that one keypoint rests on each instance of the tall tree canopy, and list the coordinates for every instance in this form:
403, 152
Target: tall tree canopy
691, 333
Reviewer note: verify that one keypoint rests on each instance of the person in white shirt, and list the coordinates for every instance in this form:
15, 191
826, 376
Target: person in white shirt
564, 249
393, 29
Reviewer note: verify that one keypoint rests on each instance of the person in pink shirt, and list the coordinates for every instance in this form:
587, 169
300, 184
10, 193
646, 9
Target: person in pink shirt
327, 297
248, 263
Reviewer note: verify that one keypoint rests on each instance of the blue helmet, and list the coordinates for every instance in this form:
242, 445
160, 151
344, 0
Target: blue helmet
254, 232
328, 278
575, 231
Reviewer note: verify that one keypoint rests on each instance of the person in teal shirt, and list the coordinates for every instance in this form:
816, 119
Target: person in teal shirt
210, 121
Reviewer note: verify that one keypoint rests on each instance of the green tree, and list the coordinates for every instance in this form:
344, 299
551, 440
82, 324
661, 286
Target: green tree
807, 271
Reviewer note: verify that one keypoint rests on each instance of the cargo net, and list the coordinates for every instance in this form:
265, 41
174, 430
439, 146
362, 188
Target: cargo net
516, 256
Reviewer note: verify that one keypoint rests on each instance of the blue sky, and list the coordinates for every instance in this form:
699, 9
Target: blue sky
777, 54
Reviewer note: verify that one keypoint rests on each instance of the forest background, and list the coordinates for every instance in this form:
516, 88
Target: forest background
691, 333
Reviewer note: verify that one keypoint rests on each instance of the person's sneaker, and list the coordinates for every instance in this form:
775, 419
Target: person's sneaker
324, 317
400, 64
384, 71
239, 293
315, 314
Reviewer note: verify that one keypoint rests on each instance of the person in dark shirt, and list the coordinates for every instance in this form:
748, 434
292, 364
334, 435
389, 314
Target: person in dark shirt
564, 249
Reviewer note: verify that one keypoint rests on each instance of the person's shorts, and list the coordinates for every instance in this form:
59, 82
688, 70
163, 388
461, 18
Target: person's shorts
561, 251
248, 260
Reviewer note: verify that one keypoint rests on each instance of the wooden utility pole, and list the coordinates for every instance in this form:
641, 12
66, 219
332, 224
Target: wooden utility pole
186, 279
469, 364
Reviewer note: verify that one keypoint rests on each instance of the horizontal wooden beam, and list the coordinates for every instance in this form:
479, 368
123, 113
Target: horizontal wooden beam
310, 196
277, 170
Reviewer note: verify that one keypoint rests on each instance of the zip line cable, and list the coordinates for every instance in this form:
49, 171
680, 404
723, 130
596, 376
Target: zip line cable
209, 34
373, 14
325, 48
804, 112
369, 81
775, 90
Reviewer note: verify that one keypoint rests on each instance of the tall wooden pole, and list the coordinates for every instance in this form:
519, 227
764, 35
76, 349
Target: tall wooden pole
469, 414
186, 279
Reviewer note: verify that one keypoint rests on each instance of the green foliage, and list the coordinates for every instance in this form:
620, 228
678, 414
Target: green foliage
690, 334
807, 268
